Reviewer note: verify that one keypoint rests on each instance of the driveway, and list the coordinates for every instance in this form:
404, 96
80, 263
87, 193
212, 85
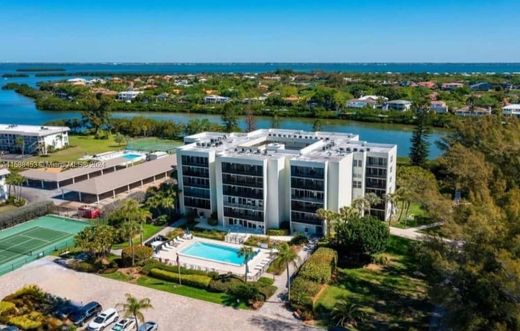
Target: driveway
172, 312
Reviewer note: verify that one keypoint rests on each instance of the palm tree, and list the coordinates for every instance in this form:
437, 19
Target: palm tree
392, 199
371, 200
346, 313
133, 307
286, 256
20, 142
248, 253
132, 212
328, 217
129, 230
15, 182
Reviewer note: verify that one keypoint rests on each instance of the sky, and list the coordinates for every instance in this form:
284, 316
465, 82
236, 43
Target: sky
259, 31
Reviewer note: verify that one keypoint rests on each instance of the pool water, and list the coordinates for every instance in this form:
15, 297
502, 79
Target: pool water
131, 156
213, 252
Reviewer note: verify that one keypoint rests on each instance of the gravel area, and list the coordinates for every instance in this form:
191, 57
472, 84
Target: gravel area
172, 312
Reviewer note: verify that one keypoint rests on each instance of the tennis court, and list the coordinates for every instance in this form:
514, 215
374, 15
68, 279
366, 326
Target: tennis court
28, 241
153, 145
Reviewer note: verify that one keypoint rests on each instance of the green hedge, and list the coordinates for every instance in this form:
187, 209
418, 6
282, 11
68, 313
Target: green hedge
320, 266
277, 232
303, 292
199, 281
154, 264
25, 213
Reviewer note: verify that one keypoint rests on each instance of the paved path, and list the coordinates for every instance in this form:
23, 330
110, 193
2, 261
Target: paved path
413, 233
172, 312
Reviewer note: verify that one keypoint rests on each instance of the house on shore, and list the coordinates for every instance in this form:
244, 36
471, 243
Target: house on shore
440, 107
215, 99
471, 111
481, 87
128, 96
512, 110
451, 86
367, 101
398, 105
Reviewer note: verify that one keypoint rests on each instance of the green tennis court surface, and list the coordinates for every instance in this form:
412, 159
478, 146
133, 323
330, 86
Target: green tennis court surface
153, 145
26, 242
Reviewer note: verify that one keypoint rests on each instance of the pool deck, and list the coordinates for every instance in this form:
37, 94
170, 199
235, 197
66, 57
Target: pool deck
170, 256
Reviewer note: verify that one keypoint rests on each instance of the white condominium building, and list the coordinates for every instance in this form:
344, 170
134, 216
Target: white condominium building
261, 179
32, 139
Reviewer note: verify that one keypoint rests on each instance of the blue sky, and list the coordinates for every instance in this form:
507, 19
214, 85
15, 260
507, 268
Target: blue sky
260, 31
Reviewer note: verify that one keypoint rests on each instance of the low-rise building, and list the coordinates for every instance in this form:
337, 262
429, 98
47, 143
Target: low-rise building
398, 105
440, 107
367, 101
4, 192
451, 86
128, 96
481, 87
271, 177
512, 110
216, 99
32, 139
470, 111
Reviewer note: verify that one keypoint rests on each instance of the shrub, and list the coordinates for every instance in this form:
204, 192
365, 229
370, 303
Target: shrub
224, 284
29, 321
265, 281
25, 213
381, 259
177, 232
277, 232
320, 266
209, 234
212, 221
199, 281
247, 292
83, 266
299, 239
6, 308
302, 293
361, 236
256, 241
265, 290
154, 264
141, 253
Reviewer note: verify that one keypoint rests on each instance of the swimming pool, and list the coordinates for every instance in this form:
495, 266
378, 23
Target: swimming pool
214, 252
130, 156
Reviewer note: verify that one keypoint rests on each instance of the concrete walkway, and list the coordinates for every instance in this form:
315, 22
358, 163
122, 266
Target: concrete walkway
413, 233
171, 311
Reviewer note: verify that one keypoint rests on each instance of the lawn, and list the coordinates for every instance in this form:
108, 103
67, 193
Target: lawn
420, 217
149, 230
392, 296
80, 146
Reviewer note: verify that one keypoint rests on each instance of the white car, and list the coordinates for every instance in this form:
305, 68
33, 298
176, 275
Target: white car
125, 324
103, 320
148, 326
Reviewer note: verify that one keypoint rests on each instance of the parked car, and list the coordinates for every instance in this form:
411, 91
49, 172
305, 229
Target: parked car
82, 315
149, 326
64, 309
103, 320
124, 325
10, 328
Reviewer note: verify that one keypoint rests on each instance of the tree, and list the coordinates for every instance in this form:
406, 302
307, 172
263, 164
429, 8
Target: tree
247, 253
372, 200
15, 182
120, 139
316, 126
133, 307
20, 143
130, 211
97, 116
286, 257
229, 118
161, 200
250, 121
97, 239
129, 230
419, 150
360, 236
346, 313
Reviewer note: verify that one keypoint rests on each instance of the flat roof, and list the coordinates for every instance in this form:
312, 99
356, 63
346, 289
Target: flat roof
31, 130
41, 174
121, 178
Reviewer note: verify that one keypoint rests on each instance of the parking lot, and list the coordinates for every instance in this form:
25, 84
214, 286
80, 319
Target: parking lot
171, 311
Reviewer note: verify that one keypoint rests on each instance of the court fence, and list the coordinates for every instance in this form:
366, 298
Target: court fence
35, 255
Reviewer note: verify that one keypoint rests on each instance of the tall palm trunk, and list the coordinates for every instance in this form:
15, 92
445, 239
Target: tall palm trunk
288, 284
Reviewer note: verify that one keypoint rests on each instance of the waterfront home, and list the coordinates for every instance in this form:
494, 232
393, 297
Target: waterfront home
429, 85
451, 86
471, 111
32, 139
397, 105
4, 192
216, 99
439, 107
258, 180
128, 96
512, 110
367, 101
481, 87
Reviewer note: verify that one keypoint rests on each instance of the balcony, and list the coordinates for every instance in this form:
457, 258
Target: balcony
306, 172
195, 172
243, 192
244, 214
308, 218
305, 207
188, 181
242, 180
242, 169
196, 203
197, 193
307, 184
242, 206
